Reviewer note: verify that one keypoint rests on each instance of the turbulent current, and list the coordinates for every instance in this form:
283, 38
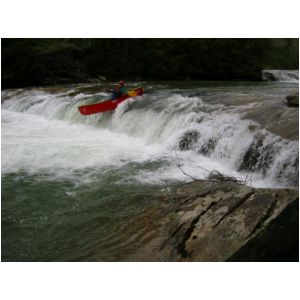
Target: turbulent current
73, 186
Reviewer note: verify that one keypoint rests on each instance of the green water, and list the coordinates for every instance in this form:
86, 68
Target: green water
58, 221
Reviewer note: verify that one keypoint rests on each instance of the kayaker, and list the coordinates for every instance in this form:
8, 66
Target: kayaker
118, 91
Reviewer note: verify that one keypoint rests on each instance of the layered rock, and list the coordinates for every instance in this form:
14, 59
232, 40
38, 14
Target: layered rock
220, 221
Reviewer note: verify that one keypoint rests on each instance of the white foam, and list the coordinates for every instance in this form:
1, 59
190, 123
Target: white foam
44, 132
34, 144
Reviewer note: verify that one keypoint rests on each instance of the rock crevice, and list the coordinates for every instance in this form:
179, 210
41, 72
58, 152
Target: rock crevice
226, 221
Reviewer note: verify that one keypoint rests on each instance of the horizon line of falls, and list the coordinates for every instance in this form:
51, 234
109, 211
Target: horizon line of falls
142, 141
281, 75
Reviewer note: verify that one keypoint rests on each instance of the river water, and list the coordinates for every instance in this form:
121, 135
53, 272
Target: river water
75, 188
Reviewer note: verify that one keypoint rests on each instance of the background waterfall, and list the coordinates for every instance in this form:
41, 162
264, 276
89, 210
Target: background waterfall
281, 75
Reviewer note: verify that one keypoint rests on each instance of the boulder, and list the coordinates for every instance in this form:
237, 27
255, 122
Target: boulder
188, 140
293, 99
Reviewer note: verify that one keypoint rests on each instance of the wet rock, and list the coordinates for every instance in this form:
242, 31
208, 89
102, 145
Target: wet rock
208, 147
220, 221
293, 99
258, 157
188, 140
288, 172
252, 127
275, 117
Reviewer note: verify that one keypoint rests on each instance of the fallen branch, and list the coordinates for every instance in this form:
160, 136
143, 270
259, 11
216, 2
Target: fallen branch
217, 176
186, 174
214, 175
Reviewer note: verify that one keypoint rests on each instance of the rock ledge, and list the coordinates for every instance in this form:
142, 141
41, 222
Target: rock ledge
225, 221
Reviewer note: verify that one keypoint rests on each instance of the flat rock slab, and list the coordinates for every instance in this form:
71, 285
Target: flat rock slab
213, 221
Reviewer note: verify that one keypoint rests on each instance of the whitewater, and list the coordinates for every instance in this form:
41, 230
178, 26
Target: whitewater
43, 133
78, 183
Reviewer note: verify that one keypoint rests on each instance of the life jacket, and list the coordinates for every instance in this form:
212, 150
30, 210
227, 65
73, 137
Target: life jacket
121, 89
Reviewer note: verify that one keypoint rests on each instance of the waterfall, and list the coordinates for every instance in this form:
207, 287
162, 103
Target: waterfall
281, 75
44, 132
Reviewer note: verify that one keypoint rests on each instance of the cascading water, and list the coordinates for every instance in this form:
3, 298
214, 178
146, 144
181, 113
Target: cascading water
60, 168
45, 132
281, 75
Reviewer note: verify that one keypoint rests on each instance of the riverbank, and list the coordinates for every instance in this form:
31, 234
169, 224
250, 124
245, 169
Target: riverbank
34, 62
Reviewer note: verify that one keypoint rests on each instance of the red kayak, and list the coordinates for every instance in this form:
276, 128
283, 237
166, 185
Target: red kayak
109, 104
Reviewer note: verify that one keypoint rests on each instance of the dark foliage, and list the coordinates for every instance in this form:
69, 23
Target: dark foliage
47, 61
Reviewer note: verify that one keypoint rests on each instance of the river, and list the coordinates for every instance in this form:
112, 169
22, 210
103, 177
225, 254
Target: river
74, 187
